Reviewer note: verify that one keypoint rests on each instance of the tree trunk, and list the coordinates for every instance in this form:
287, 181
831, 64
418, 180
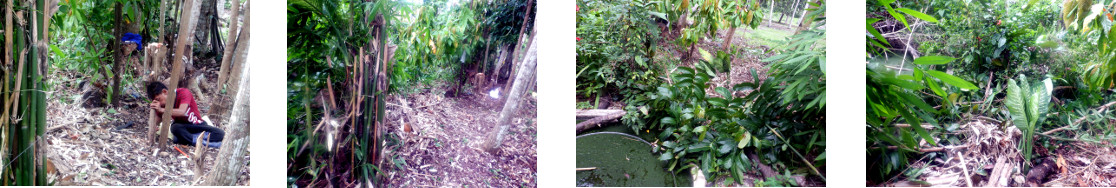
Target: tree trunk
241, 48
185, 35
770, 10
496, 137
162, 20
793, 10
117, 54
728, 41
230, 158
806, 22
206, 15
222, 75
522, 28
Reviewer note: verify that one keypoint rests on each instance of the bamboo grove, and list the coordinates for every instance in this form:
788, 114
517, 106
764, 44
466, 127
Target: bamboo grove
23, 97
345, 57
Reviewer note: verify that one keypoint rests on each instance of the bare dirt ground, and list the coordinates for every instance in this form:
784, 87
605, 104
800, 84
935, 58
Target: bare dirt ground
443, 146
98, 146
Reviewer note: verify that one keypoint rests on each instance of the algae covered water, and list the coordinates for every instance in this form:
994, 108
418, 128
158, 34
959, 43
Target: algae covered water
622, 159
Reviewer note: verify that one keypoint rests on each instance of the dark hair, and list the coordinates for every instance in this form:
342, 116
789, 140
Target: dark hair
155, 88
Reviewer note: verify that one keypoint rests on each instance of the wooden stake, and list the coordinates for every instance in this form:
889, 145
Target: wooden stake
185, 35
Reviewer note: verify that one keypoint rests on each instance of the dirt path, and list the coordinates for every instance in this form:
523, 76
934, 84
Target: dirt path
96, 146
443, 147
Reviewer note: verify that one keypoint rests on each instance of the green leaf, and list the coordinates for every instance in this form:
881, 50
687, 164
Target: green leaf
705, 55
665, 156
914, 122
667, 121
875, 33
918, 15
1014, 103
952, 80
744, 139
933, 60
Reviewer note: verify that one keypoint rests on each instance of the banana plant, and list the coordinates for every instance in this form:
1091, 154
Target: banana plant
1028, 104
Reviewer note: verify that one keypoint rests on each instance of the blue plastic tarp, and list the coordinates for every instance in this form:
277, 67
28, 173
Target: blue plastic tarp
134, 38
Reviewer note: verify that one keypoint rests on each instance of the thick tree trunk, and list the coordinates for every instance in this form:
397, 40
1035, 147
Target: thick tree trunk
222, 76
185, 35
230, 158
204, 24
596, 117
496, 137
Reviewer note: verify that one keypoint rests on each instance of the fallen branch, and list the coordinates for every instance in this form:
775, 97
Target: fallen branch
924, 150
595, 122
595, 113
586, 169
965, 169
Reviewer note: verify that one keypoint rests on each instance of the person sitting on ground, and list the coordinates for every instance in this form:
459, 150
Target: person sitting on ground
188, 123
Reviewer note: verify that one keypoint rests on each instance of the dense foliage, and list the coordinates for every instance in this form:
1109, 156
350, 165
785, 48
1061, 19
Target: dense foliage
355, 50
780, 120
922, 69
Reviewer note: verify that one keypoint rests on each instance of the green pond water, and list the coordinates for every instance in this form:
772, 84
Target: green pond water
622, 158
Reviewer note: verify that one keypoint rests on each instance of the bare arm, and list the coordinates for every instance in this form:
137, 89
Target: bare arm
176, 112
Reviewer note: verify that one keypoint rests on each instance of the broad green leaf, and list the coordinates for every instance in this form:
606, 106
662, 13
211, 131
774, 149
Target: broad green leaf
1014, 103
918, 15
952, 80
915, 124
705, 55
743, 139
933, 60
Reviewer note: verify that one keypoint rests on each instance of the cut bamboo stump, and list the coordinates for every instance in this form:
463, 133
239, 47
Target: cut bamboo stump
596, 117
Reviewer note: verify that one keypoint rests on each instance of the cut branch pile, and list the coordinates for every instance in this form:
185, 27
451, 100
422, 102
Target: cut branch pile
991, 148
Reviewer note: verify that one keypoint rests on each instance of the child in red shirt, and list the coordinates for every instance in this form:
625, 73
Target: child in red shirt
187, 124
